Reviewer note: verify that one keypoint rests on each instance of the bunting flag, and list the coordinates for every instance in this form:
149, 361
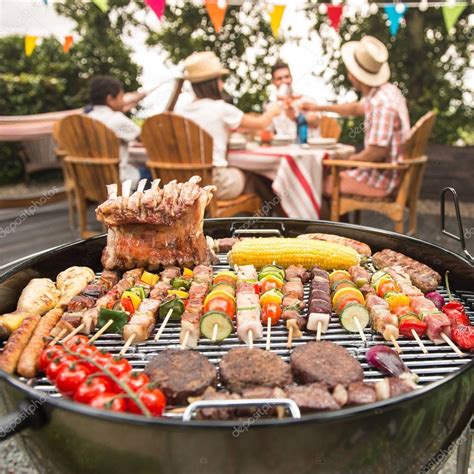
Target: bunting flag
158, 6
276, 15
102, 4
334, 15
216, 13
67, 44
451, 15
30, 44
395, 15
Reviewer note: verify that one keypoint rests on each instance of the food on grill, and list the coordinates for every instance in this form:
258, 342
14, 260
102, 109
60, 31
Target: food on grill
359, 275
312, 397
292, 303
242, 368
388, 362
361, 393
297, 271
10, 322
319, 302
218, 413
29, 361
71, 282
288, 251
216, 325
422, 276
393, 386
325, 362
181, 374
436, 298
359, 247
156, 227
38, 297
17, 342
224, 245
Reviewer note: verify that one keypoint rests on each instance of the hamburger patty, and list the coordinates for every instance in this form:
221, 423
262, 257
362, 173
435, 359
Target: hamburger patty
243, 368
181, 374
325, 362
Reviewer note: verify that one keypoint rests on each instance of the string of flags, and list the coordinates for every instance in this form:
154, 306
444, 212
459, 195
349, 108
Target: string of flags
216, 9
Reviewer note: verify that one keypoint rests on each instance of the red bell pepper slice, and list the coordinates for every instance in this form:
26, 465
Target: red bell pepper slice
409, 323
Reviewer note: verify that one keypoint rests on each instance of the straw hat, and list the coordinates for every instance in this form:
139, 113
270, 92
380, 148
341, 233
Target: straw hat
203, 66
367, 61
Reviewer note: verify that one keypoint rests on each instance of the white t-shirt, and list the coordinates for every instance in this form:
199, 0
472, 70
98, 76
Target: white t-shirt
216, 117
126, 130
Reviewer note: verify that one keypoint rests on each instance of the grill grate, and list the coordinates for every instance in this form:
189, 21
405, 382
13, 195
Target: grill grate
438, 363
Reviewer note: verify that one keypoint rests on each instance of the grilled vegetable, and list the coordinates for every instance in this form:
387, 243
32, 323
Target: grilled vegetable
436, 298
271, 311
174, 303
272, 296
136, 300
221, 304
338, 275
388, 362
269, 282
218, 294
11, 322
139, 291
179, 293
180, 283
409, 323
149, 278
120, 319
397, 300
285, 252
272, 270
224, 325
341, 296
225, 276
352, 311
226, 287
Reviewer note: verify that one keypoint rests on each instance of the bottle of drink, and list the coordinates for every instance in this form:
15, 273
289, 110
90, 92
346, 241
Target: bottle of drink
302, 128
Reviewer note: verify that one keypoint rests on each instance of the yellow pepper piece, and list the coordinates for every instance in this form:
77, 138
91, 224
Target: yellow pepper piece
187, 273
397, 300
179, 293
149, 278
135, 299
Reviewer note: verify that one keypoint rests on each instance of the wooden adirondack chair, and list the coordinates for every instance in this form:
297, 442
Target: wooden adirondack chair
329, 127
412, 168
178, 149
91, 161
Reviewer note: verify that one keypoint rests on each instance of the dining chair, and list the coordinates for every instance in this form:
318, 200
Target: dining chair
178, 148
329, 127
412, 166
91, 159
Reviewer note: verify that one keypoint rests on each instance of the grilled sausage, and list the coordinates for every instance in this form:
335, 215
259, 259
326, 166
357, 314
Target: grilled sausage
17, 342
29, 360
359, 247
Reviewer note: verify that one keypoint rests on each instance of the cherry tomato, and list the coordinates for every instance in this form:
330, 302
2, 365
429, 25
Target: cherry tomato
153, 398
221, 304
90, 388
256, 289
57, 364
345, 300
109, 401
48, 355
88, 351
119, 367
69, 377
101, 358
271, 311
74, 343
136, 381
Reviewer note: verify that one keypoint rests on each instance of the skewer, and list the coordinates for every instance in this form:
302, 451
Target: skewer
290, 337
359, 328
318, 331
73, 333
250, 335
452, 345
214, 332
419, 341
269, 332
395, 343
59, 336
101, 331
127, 345
163, 325
185, 339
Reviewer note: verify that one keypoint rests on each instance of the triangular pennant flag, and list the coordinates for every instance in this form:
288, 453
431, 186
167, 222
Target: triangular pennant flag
30, 44
276, 15
216, 13
395, 15
158, 6
102, 4
451, 15
334, 15
68, 42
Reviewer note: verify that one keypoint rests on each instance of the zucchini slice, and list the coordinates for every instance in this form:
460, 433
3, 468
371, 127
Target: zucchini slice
224, 325
350, 312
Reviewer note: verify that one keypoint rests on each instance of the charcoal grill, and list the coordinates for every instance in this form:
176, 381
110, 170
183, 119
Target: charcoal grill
398, 435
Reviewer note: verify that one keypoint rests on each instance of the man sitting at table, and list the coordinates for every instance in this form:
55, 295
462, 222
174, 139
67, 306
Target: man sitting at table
386, 119
106, 97
282, 85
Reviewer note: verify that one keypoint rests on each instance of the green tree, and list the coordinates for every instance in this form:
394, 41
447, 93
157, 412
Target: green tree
428, 64
245, 45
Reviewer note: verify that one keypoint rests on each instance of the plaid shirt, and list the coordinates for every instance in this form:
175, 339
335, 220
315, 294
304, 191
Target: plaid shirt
386, 124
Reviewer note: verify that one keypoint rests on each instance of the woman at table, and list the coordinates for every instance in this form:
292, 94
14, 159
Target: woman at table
219, 118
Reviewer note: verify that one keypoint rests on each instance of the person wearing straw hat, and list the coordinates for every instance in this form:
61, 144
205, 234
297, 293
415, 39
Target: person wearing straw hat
218, 118
386, 119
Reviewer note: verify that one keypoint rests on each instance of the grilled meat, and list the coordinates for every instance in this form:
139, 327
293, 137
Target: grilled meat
181, 374
39, 296
325, 362
312, 397
71, 282
297, 272
360, 393
218, 413
80, 302
243, 368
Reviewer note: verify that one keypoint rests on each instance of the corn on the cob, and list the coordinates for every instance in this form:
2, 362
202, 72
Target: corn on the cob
285, 252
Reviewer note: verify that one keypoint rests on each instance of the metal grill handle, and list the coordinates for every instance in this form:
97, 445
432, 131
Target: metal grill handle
460, 238
255, 402
258, 232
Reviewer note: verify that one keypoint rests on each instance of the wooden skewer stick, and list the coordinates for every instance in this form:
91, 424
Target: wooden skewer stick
214, 332
290, 337
163, 325
359, 328
185, 339
452, 345
59, 336
395, 343
269, 333
419, 341
101, 331
127, 344
250, 335
318, 330
73, 333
